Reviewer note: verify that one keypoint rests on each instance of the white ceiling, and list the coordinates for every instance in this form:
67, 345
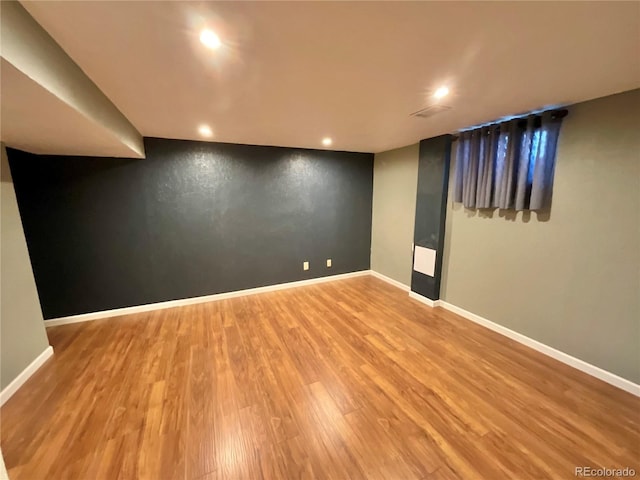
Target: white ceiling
291, 73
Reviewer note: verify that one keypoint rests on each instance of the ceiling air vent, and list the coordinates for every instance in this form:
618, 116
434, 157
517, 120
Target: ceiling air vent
430, 111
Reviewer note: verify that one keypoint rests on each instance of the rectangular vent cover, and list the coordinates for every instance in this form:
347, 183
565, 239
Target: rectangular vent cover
430, 111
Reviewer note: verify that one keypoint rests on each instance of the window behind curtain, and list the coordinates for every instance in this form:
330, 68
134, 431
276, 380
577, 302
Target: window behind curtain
509, 165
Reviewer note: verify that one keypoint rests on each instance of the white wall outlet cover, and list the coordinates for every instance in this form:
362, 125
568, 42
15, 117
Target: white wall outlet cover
424, 260
305, 265
328, 262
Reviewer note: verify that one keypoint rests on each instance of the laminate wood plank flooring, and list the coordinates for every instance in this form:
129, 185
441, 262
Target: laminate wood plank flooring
346, 379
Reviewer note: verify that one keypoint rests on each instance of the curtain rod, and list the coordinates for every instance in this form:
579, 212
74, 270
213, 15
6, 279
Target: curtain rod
555, 114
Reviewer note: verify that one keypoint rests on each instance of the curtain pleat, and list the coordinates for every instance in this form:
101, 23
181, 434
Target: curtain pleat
471, 170
503, 136
508, 166
508, 161
461, 161
485, 167
542, 183
528, 146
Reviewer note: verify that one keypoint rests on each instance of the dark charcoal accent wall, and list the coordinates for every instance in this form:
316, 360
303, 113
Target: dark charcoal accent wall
431, 208
191, 219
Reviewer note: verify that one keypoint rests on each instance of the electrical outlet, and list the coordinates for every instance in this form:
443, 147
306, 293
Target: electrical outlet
328, 263
305, 265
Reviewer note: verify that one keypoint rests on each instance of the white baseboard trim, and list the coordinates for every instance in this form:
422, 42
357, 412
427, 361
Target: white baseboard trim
86, 317
574, 362
604, 375
425, 300
17, 382
393, 282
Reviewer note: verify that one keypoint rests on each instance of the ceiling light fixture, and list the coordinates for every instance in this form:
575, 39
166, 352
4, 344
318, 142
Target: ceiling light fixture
327, 141
441, 92
209, 39
205, 131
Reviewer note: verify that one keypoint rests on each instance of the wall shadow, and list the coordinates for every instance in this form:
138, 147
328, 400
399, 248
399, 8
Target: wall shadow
523, 216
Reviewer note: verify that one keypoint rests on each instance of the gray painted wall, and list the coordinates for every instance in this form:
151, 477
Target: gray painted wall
395, 180
569, 278
193, 219
22, 333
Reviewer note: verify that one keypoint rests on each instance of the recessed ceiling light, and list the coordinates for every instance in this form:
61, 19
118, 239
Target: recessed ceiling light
205, 130
210, 39
441, 92
327, 141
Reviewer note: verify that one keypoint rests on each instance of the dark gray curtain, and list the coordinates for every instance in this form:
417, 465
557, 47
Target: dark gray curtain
510, 165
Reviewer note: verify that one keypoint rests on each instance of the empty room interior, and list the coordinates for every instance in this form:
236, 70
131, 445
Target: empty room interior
320, 240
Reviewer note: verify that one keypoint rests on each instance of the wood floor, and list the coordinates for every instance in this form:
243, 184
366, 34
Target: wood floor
348, 379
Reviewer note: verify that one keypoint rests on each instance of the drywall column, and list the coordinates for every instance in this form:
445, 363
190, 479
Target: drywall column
22, 335
431, 205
